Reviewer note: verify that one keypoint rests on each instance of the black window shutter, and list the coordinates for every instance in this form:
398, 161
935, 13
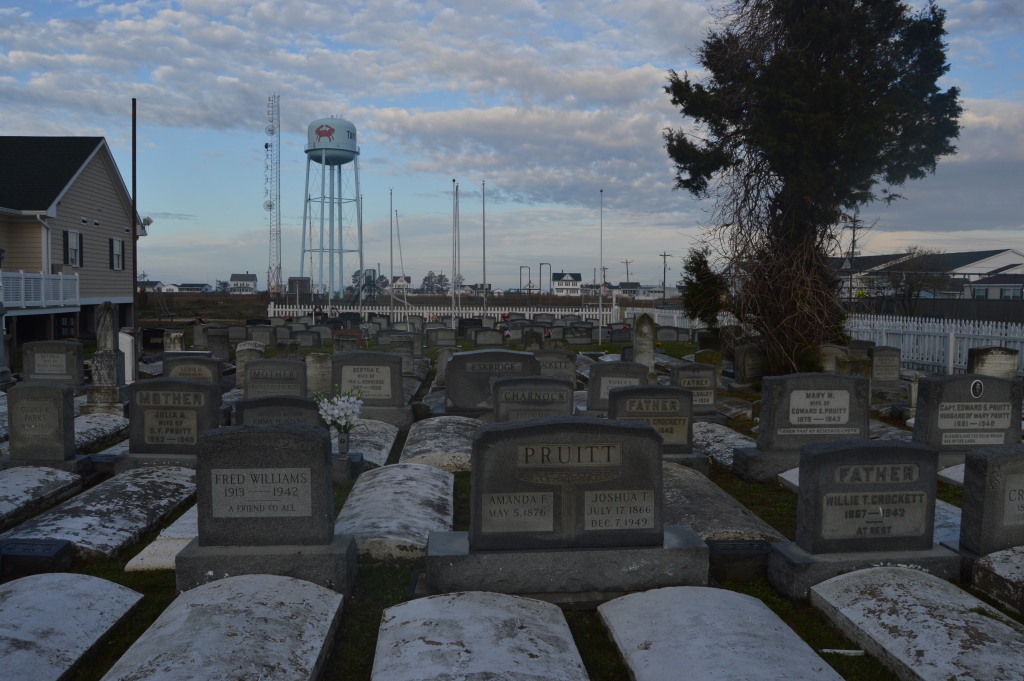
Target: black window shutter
81, 255
66, 247
111, 244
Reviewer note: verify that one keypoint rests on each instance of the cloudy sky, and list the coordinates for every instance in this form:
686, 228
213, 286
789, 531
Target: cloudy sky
548, 102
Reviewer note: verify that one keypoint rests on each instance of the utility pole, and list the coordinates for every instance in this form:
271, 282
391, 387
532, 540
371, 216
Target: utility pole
853, 252
664, 276
391, 213
626, 263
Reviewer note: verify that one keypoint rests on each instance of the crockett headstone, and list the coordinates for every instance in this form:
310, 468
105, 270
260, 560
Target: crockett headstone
885, 367
558, 363
378, 376
669, 411
992, 515
167, 417
607, 375
41, 424
54, 361
517, 398
699, 379
467, 389
259, 490
267, 377
993, 361
798, 410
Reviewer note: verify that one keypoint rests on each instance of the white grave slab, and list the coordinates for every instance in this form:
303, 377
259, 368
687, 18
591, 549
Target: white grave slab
1001, 575
374, 439
95, 431
475, 635
691, 499
718, 441
883, 431
694, 632
249, 627
104, 520
48, 621
445, 442
160, 554
232, 396
26, 490
922, 627
3, 417
954, 475
391, 510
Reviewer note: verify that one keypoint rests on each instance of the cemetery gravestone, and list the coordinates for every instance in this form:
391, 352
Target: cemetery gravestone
749, 363
197, 366
533, 338
54, 361
666, 334
402, 345
378, 375
346, 342
152, 339
607, 375
288, 350
245, 352
992, 518
578, 335
168, 416
644, 344
490, 338
468, 385
993, 361
266, 506
699, 379
308, 339
199, 341
620, 336
266, 335
324, 331
885, 367
861, 348
41, 426
278, 411
220, 346
828, 355
268, 377
626, 353
319, 369
669, 411
517, 398
557, 363
798, 410
237, 334
465, 324
441, 338
106, 394
384, 337
956, 414
174, 340
708, 340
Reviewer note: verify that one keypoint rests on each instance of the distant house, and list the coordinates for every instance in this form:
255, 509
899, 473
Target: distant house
170, 288
243, 284
195, 288
476, 289
961, 270
401, 283
997, 287
629, 288
151, 286
566, 283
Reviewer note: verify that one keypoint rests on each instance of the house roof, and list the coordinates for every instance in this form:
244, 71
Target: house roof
243, 277
1015, 279
944, 262
192, 285
562, 276
34, 171
864, 263
629, 284
151, 283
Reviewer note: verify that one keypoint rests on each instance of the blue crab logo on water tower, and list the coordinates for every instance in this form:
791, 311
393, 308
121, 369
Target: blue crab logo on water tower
331, 141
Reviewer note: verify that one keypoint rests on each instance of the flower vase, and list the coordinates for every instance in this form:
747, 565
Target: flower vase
342, 441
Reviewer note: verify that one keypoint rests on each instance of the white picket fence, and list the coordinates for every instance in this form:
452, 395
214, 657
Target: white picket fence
400, 313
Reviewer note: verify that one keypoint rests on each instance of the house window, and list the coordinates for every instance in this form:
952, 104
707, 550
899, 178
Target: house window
73, 248
117, 254
980, 293
1010, 293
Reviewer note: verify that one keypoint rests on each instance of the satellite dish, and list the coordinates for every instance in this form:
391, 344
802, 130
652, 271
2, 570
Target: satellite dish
268, 205
269, 130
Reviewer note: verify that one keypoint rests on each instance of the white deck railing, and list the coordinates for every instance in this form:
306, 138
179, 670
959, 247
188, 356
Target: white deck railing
22, 290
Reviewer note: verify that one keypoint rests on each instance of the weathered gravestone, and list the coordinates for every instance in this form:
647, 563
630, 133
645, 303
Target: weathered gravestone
490, 338
199, 341
167, 417
607, 375
319, 369
54, 361
465, 324
620, 335
669, 411
700, 380
541, 491
267, 335
308, 339
533, 338
666, 334
41, 427
517, 398
861, 348
992, 516
347, 342
578, 335
798, 410
441, 366
749, 363
708, 340
956, 414
219, 344
993, 361
107, 394
174, 340
402, 345
277, 411
885, 367
383, 337
266, 506
558, 363
467, 390
193, 365
643, 345
828, 354
267, 377
237, 334
378, 375
245, 352
324, 331
626, 354
861, 503
288, 349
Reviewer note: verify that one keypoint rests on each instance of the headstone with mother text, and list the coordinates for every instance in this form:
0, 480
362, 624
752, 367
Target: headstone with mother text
167, 417
266, 377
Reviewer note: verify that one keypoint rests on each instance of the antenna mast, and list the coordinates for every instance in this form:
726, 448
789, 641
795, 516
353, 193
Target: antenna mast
272, 192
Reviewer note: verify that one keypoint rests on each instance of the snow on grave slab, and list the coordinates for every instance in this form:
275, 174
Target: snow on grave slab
718, 441
709, 633
475, 635
391, 510
160, 554
103, 521
97, 431
922, 627
49, 621
410, 386
691, 499
954, 475
883, 431
248, 627
373, 439
26, 490
1001, 575
444, 442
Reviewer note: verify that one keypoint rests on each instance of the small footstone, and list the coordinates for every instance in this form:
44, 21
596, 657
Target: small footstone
1001, 576
709, 633
248, 627
160, 554
920, 626
392, 510
476, 635
48, 622
27, 490
445, 442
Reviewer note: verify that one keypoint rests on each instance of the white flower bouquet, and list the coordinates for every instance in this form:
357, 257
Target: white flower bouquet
342, 410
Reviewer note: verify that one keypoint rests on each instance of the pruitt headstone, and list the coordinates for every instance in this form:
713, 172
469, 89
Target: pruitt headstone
54, 361
169, 415
699, 379
667, 409
470, 377
193, 366
992, 517
993, 361
607, 375
41, 422
277, 411
267, 377
557, 363
517, 398
885, 367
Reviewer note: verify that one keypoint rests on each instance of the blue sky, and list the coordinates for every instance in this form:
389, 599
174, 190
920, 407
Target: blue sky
547, 102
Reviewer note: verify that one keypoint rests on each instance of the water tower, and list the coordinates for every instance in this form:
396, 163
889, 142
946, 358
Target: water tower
332, 222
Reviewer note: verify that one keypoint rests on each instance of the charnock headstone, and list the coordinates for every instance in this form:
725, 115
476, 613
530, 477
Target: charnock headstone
378, 375
542, 490
557, 363
489, 338
993, 361
319, 370
54, 361
798, 410
258, 490
41, 424
828, 354
470, 377
607, 375
956, 414
860, 503
195, 366
245, 352
277, 411
749, 363
885, 367
167, 417
992, 514
517, 398
220, 346
267, 377
643, 344
267, 335
700, 380
667, 409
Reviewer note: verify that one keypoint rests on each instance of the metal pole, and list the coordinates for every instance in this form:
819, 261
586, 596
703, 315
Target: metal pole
135, 248
323, 180
305, 215
600, 291
391, 220
453, 253
483, 195
330, 239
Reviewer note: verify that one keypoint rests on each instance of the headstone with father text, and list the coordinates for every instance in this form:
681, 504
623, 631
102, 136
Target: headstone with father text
669, 411
700, 380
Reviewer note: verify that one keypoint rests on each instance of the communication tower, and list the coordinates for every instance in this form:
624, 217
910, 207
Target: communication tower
272, 192
332, 224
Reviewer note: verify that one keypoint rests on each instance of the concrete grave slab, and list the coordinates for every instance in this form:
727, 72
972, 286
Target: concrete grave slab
97, 431
475, 635
922, 627
709, 633
1001, 576
26, 490
445, 442
49, 621
718, 441
249, 627
160, 554
104, 520
954, 475
373, 439
392, 510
